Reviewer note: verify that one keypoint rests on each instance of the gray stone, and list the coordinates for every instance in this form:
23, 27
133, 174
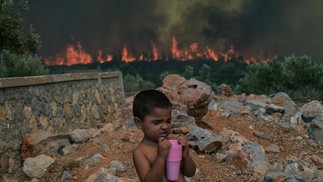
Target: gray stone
258, 160
287, 126
283, 100
256, 105
261, 135
93, 160
272, 148
295, 178
276, 167
95, 112
232, 107
119, 166
104, 147
273, 176
103, 175
130, 123
69, 149
203, 140
37, 167
296, 170
272, 108
65, 176
180, 110
42, 142
311, 110
183, 121
220, 157
245, 110
213, 106
316, 130
79, 135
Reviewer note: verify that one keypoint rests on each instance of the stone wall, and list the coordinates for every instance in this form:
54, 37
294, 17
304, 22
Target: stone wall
55, 103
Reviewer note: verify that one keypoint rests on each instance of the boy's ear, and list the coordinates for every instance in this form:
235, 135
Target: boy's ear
137, 122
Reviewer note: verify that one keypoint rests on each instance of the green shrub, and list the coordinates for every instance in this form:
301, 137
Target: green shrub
136, 83
298, 76
13, 65
71, 164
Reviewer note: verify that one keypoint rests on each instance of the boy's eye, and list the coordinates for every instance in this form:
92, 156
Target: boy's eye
169, 121
156, 122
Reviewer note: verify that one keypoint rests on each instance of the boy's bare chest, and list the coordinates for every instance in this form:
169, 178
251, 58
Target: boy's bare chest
151, 155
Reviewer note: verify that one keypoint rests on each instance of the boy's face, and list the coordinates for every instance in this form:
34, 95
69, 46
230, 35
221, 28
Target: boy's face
156, 124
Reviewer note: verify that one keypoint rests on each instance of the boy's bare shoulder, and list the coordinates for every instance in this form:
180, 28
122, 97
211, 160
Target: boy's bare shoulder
137, 149
140, 149
148, 151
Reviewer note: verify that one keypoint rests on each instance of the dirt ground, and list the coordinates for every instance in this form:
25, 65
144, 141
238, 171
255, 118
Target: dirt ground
293, 145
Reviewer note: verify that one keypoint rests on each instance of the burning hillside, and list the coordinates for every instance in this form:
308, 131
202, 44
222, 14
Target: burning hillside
77, 55
143, 30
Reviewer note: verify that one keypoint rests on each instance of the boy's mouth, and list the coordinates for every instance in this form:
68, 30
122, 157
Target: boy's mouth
163, 134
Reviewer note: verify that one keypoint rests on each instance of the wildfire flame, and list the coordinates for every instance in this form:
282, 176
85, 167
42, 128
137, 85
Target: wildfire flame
73, 55
155, 51
76, 55
126, 56
175, 51
101, 60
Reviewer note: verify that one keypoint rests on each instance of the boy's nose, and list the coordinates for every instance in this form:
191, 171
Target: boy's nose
164, 126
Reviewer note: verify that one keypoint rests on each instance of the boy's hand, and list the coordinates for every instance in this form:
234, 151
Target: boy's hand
183, 142
163, 147
188, 166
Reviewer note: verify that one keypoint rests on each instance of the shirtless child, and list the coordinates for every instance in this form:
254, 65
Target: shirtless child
152, 114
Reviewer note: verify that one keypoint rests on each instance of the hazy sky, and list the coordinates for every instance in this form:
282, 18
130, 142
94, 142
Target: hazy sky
262, 27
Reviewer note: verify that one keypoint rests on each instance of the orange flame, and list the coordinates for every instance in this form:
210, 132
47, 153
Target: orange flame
211, 54
101, 60
73, 56
175, 52
126, 56
155, 51
76, 55
194, 47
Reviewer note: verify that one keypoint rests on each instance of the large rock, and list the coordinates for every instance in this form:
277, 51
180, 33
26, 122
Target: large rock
232, 107
190, 94
283, 100
249, 157
316, 130
255, 102
37, 167
311, 110
203, 140
43, 142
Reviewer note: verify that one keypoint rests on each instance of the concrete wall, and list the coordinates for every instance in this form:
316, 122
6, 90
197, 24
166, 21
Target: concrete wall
55, 103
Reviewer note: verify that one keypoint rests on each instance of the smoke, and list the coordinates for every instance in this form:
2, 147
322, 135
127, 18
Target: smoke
254, 27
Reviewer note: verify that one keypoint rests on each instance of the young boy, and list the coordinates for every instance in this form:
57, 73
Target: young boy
152, 114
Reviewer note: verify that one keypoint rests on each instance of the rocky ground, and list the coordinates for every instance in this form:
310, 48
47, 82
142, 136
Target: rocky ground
118, 142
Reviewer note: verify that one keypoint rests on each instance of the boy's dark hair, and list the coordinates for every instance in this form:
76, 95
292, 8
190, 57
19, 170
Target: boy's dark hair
146, 101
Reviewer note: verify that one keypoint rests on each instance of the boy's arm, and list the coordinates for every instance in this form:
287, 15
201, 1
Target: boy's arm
145, 171
188, 166
156, 171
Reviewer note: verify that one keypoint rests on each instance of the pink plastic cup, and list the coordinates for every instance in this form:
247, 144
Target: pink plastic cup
173, 161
